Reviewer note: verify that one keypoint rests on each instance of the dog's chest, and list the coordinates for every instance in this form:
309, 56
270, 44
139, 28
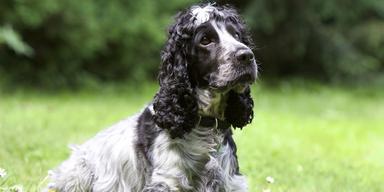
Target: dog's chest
202, 152
201, 161
202, 141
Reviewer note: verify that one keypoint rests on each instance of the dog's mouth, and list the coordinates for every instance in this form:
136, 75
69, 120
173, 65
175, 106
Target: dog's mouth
246, 78
238, 83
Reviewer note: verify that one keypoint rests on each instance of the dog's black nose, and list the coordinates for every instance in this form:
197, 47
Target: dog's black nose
244, 56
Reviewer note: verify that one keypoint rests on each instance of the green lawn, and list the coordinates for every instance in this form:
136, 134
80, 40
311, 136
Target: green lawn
309, 138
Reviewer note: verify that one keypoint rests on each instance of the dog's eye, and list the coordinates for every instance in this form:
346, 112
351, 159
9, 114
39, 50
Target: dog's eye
205, 40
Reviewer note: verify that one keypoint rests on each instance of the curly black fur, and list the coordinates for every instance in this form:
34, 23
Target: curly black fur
175, 104
239, 110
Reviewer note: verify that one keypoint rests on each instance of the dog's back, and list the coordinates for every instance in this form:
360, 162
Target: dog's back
107, 162
117, 160
183, 140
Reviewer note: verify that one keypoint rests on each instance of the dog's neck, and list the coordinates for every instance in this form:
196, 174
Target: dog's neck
211, 103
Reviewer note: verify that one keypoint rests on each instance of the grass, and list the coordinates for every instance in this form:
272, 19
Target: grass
308, 137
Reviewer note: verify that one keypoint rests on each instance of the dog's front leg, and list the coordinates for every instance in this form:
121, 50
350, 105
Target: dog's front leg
157, 187
168, 174
167, 181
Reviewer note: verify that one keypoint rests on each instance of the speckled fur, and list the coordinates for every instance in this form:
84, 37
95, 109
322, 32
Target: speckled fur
182, 141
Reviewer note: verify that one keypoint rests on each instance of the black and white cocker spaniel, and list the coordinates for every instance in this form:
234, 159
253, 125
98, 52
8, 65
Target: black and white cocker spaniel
182, 141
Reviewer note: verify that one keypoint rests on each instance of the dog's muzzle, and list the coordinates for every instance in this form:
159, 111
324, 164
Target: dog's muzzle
245, 70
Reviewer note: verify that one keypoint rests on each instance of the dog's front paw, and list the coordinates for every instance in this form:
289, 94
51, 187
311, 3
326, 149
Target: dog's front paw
157, 187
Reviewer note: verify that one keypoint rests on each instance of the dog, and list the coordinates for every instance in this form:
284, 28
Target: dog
182, 140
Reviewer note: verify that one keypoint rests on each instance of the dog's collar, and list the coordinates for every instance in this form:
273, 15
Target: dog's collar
208, 121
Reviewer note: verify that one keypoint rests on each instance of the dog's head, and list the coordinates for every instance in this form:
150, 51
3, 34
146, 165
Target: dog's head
207, 67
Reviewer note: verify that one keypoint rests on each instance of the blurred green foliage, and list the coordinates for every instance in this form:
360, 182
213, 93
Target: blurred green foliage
67, 43
326, 39
89, 40
12, 39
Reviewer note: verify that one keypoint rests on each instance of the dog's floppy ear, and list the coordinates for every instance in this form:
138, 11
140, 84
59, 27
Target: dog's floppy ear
175, 105
239, 110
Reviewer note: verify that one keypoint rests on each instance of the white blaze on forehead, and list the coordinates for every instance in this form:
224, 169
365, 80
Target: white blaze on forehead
201, 14
226, 39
